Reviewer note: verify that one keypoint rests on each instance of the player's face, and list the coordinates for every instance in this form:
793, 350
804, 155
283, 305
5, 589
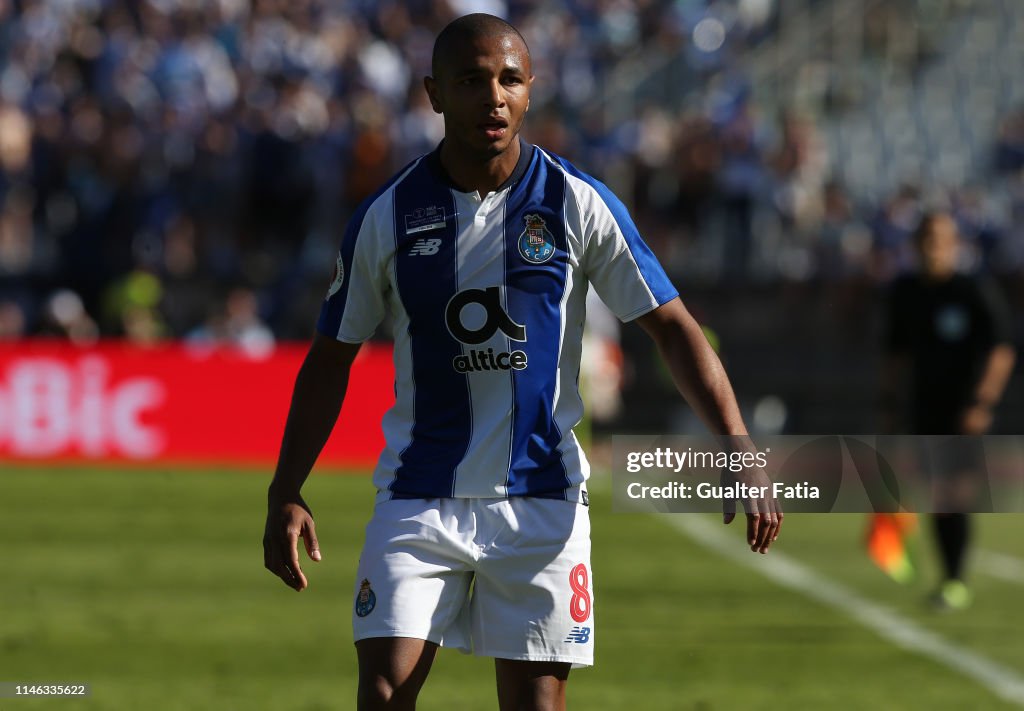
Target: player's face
939, 248
483, 91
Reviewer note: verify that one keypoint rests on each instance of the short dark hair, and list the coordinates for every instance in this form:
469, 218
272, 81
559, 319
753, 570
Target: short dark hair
467, 28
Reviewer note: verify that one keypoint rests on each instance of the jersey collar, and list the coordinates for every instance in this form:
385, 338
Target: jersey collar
525, 156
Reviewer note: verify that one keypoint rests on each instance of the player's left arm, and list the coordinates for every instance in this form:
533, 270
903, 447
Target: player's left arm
998, 363
995, 374
695, 367
700, 378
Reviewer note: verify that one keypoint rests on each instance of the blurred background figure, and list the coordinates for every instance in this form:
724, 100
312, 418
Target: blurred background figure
741, 179
132, 308
949, 340
236, 322
12, 321
64, 316
601, 363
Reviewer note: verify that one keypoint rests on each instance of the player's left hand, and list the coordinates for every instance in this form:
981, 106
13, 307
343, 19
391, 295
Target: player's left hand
764, 514
976, 419
287, 520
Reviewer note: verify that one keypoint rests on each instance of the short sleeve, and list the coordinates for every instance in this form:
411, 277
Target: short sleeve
997, 313
622, 268
355, 303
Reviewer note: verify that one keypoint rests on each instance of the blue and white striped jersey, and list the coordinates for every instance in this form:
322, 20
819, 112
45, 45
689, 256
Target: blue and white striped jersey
487, 299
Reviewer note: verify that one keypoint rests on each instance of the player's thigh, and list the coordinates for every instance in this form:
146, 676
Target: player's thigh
533, 598
413, 578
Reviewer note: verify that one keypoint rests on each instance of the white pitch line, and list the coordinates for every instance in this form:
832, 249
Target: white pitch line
1004, 682
1000, 565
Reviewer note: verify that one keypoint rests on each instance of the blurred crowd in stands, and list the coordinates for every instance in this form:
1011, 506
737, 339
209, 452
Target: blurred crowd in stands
185, 168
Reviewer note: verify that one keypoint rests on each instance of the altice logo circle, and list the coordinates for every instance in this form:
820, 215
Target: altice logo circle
495, 319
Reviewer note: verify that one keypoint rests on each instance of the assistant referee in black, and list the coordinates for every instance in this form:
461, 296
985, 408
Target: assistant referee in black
949, 336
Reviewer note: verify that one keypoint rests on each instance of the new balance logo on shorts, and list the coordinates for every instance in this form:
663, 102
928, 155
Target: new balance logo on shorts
425, 247
579, 635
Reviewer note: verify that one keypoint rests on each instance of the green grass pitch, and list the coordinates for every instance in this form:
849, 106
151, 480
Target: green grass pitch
149, 585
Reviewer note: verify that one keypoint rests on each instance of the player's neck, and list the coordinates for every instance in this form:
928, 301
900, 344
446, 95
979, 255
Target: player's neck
938, 277
470, 173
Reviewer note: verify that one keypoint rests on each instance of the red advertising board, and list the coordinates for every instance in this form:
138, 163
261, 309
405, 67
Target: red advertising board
174, 403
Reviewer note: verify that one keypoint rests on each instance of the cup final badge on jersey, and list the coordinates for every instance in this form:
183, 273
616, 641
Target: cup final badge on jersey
424, 219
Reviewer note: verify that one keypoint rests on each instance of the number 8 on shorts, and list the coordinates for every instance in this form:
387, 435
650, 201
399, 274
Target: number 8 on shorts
579, 603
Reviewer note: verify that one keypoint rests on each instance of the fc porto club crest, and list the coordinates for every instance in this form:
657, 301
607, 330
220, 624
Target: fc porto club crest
536, 245
366, 600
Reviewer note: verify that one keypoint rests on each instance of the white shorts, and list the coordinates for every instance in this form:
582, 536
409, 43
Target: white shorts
505, 578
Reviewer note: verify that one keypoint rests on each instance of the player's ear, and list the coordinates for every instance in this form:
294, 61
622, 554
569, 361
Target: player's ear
431, 86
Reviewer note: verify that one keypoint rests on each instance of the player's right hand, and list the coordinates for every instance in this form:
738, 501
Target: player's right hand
764, 514
286, 521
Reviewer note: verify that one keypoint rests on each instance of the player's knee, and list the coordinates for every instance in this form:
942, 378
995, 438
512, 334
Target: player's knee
547, 697
391, 672
378, 691
375, 691
539, 694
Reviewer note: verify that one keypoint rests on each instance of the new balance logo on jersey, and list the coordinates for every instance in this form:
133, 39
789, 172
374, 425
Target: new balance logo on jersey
425, 247
579, 635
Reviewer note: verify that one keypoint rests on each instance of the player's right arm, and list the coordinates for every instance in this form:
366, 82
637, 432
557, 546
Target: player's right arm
350, 314
894, 374
896, 361
316, 402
